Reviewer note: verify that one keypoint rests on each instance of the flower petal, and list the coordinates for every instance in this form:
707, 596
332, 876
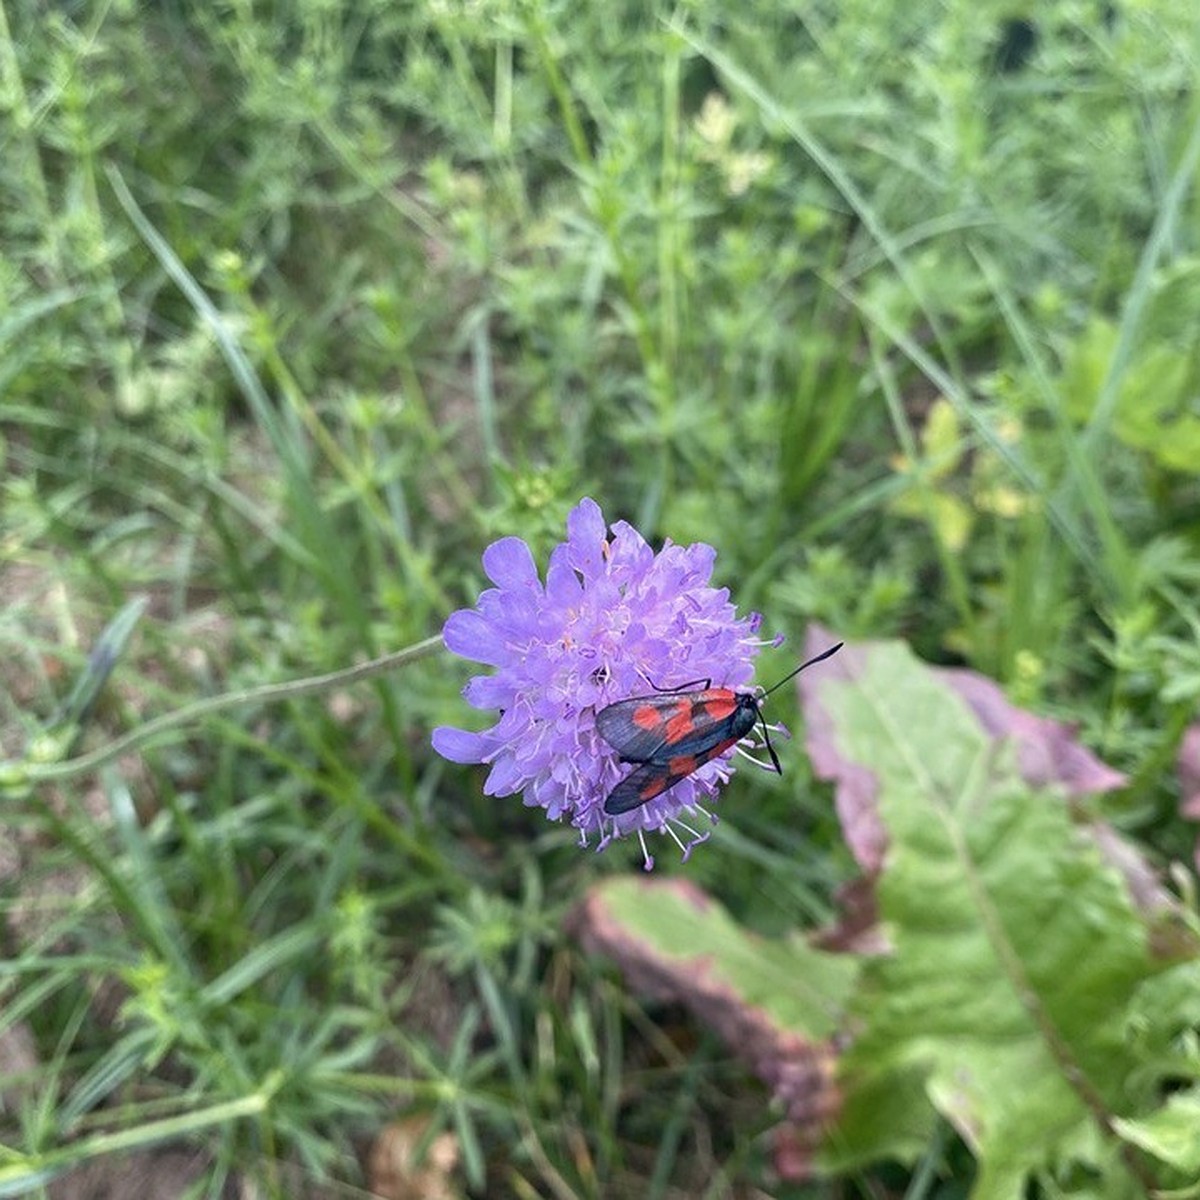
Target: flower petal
471, 636
630, 552
505, 775
489, 691
460, 746
586, 537
509, 564
562, 584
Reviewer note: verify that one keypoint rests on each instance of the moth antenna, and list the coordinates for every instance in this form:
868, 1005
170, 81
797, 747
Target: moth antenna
811, 662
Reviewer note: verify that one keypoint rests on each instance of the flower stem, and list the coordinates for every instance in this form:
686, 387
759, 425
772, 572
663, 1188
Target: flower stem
270, 693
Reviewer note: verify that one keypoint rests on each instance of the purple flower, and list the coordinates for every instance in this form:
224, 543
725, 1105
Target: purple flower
612, 620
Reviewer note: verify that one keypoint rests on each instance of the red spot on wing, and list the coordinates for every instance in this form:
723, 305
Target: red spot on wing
657, 784
719, 704
700, 714
679, 767
682, 722
683, 765
647, 717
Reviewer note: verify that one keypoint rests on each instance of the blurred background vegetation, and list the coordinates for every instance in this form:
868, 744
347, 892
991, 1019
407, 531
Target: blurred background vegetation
302, 305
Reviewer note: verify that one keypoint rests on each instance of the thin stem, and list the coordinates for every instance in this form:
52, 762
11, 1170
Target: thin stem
271, 693
36, 1167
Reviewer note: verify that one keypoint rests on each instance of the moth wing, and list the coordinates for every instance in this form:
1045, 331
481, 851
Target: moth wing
641, 739
650, 728
650, 779
699, 751
707, 729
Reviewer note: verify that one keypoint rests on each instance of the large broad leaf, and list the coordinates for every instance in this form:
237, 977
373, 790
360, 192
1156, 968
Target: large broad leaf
778, 1003
1048, 752
1015, 947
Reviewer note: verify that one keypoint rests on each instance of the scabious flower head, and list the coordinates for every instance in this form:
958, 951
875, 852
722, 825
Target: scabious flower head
612, 620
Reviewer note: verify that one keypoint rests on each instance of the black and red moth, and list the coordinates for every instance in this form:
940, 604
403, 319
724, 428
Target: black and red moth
672, 733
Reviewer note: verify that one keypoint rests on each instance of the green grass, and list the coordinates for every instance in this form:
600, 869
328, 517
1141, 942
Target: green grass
301, 306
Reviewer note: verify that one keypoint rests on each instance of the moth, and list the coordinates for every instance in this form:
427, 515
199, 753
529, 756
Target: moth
672, 733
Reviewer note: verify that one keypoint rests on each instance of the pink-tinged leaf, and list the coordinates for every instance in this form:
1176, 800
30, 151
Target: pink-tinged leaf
777, 1003
1048, 753
1023, 946
1168, 926
1188, 767
856, 785
1143, 883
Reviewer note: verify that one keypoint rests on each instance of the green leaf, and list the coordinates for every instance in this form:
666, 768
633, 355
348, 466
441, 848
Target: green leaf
777, 1003
67, 724
1153, 411
1015, 947
682, 943
1172, 1134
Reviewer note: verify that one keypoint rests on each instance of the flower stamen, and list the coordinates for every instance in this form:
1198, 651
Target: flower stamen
647, 857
